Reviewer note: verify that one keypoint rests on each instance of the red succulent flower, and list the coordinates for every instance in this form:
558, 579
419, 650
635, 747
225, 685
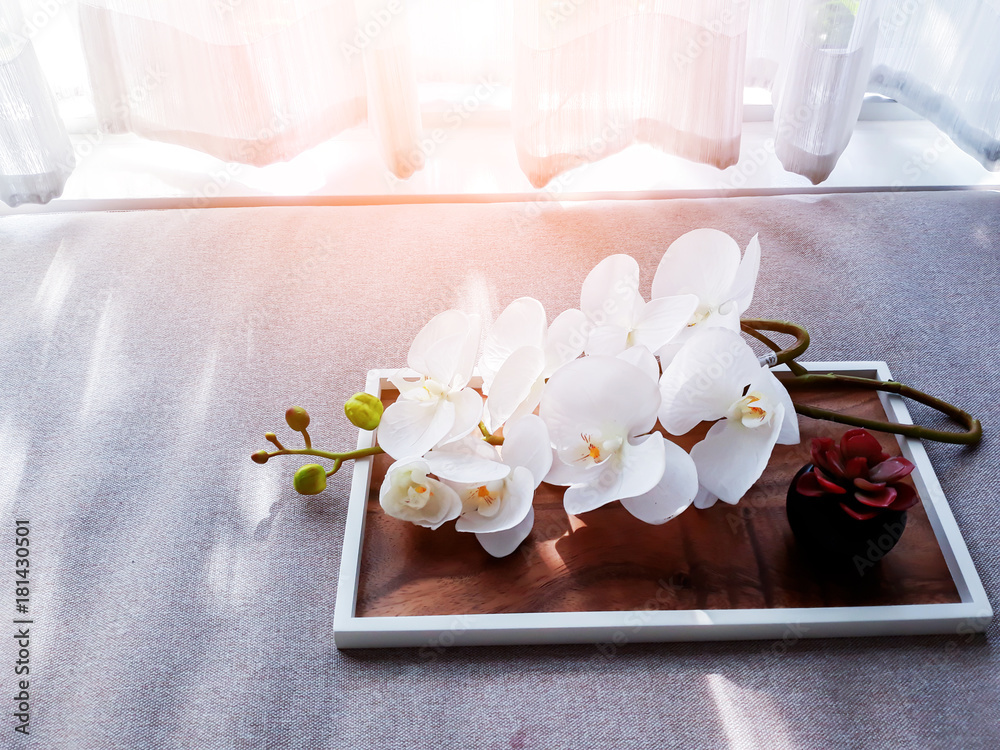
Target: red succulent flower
866, 478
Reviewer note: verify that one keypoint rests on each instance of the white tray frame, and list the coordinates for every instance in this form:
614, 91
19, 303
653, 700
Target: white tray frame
972, 614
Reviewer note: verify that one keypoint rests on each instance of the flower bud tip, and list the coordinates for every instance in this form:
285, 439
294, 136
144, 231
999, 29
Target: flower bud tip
310, 479
297, 418
364, 410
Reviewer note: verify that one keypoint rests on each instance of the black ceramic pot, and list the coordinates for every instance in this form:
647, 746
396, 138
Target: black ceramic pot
825, 533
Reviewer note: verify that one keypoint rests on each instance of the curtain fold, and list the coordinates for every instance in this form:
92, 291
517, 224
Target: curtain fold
593, 78
648, 65
942, 60
250, 81
822, 82
36, 157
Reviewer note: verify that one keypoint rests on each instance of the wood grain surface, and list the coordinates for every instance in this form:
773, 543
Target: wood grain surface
725, 557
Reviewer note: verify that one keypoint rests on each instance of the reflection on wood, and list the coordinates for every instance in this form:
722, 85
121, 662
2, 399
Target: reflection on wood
726, 557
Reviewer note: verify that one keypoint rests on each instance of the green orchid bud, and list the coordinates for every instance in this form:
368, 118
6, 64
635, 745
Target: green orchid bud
297, 418
310, 479
364, 410
260, 457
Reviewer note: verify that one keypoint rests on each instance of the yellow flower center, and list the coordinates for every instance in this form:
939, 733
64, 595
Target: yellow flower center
752, 410
486, 497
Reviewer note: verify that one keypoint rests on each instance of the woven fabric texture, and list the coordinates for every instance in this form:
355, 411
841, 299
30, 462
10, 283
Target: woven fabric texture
183, 596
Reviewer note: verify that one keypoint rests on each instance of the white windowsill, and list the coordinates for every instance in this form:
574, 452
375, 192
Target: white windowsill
478, 159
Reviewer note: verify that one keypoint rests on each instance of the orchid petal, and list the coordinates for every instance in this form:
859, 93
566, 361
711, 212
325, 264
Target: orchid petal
522, 323
641, 357
746, 276
643, 464
468, 413
674, 492
704, 499
404, 380
705, 379
726, 317
464, 468
518, 491
514, 383
587, 394
714, 319
444, 349
638, 469
703, 262
565, 340
467, 358
502, 543
662, 319
610, 293
732, 457
768, 383
607, 339
411, 428
442, 505
530, 403
565, 474
526, 443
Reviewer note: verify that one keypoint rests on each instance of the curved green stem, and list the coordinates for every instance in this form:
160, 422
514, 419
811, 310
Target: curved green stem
753, 327
337, 458
973, 429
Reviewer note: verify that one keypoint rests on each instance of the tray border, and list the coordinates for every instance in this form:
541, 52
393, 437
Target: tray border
432, 632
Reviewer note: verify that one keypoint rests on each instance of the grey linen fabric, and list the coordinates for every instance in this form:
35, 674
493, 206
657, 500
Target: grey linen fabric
183, 597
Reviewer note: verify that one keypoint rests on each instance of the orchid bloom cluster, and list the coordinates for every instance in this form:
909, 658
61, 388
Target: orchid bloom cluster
576, 403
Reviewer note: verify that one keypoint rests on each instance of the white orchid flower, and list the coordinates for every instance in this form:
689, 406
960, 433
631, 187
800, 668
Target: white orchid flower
598, 410
435, 406
641, 357
408, 493
497, 489
621, 318
716, 376
521, 350
706, 263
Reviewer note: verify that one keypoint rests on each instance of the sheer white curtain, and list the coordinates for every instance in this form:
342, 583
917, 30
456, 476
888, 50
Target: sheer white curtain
942, 60
35, 153
593, 78
259, 81
253, 81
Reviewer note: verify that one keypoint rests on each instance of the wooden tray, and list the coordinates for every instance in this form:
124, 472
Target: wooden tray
728, 572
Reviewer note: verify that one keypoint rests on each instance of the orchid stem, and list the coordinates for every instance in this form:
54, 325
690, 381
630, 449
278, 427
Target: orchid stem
973, 429
754, 327
337, 458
